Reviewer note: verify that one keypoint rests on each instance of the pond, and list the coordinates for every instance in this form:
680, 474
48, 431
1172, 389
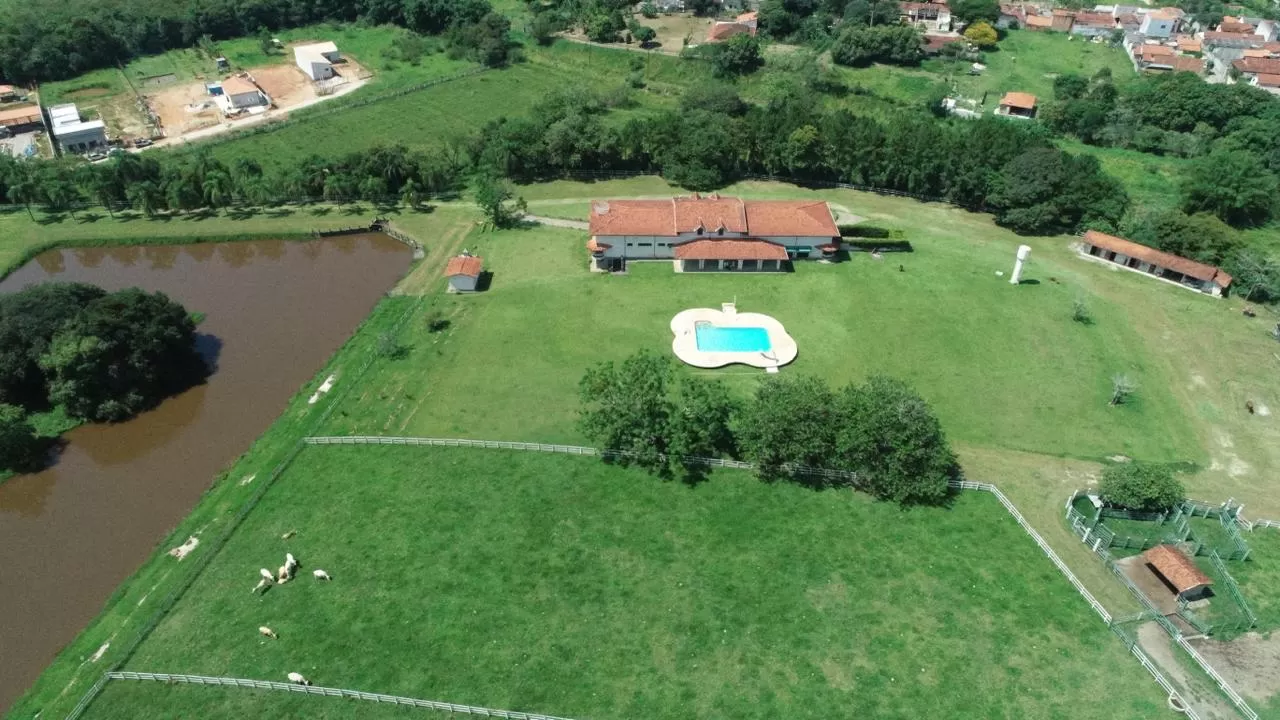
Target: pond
274, 312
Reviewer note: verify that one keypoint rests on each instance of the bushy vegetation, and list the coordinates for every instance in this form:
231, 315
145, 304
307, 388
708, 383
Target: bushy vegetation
99, 356
880, 430
1141, 486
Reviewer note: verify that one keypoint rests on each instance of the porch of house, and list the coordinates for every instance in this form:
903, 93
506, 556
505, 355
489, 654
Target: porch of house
731, 255
734, 265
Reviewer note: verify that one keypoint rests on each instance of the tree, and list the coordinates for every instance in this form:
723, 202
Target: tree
1232, 184
1200, 237
1141, 486
872, 12
791, 421
123, 353
890, 437
973, 11
29, 319
739, 55
217, 188
20, 448
700, 424
643, 34
144, 196
411, 193
890, 44
1256, 275
495, 198
981, 34
648, 9
266, 43
626, 409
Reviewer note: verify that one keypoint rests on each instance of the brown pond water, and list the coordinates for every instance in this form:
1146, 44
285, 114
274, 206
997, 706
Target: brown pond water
275, 311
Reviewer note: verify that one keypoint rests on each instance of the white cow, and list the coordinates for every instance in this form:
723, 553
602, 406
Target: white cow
261, 584
264, 630
283, 574
320, 574
266, 575
290, 562
297, 678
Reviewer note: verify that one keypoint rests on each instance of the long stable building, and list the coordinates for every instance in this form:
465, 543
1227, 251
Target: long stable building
711, 233
1194, 275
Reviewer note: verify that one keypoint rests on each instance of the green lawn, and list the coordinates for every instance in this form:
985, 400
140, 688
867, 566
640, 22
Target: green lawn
1259, 577
1024, 61
1004, 366
562, 585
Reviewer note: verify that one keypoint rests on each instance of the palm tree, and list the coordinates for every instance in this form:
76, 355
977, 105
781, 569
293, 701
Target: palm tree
216, 188
144, 196
22, 188
411, 193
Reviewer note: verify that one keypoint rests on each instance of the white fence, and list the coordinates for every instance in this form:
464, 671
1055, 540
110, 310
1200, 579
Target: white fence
330, 692
717, 462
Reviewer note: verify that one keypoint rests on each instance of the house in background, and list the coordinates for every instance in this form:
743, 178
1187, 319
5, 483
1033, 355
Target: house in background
1093, 24
1270, 83
464, 272
1018, 105
711, 233
1159, 24
8, 93
22, 119
932, 17
1178, 572
73, 134
1156, 263
316, 60
240, 94
744, 24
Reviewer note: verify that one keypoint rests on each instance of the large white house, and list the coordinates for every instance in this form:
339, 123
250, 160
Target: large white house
711, 233
316, 60
73, 134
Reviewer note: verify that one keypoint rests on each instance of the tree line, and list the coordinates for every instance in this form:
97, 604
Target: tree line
101, 357
58, 40
879, 430
714, 138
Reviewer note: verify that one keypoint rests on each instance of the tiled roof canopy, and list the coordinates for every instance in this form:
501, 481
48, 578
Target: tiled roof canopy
1176, 567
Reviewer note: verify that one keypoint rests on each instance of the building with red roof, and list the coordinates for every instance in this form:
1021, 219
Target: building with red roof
463, 272
1178, 572
710, 232
1191, 274
1017, 104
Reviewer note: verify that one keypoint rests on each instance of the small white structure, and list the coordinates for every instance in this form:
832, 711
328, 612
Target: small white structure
1024, 251
73, 134
464, 272
240, 93
1157, 24
316, 60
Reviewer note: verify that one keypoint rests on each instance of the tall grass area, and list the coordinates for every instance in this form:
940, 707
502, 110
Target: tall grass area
563, 585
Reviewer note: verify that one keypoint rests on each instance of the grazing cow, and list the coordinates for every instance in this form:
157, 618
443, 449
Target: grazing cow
321, 575
288, 535
297, 678
264, 630
283, 574
260, 586
290, 562
266, 575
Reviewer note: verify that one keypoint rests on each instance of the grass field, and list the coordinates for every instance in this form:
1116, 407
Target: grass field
563, 585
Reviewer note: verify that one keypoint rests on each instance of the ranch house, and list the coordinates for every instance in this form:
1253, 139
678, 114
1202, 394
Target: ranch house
711, 233
1168, 267
463, 272
240, 93
316, 60
1178, 572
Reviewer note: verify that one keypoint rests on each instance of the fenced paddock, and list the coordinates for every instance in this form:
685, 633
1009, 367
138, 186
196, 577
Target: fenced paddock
507, 506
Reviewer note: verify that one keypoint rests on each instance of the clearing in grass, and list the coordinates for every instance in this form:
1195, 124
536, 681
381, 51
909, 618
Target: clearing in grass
563, 585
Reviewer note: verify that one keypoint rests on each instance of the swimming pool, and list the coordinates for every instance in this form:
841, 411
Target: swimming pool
713, 338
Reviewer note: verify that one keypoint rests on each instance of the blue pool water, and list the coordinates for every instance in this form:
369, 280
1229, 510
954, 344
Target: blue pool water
732, 339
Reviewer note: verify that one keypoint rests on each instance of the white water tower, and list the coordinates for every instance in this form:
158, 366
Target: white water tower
1024, 251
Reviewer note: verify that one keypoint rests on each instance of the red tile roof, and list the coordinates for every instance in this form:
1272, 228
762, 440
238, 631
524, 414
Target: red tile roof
1025, 101
237, 85
1265, 80
1188, 64
468, 265
1255, 66
730, 250
7, 89
668, 218
20, 116
596, 246
1235, 27
1038, 21
1190, 268
1176, 567
782, 218
1216, 37
748, 17
1093, 19
1189, 44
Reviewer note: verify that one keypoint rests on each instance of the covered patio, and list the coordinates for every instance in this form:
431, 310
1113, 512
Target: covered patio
730, 255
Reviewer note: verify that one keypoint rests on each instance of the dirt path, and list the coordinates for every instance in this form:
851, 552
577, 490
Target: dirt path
1251, 663
1195, 687
558, 222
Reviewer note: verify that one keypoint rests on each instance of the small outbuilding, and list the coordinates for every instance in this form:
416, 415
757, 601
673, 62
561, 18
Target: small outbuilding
464, 272
1178, 572
1017, 104
239, 93
316, 60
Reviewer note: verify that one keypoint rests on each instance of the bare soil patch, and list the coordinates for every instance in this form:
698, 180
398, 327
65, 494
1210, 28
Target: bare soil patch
183, 108
1251, 663
1135, 568
1195, 686
672, 30
284, 84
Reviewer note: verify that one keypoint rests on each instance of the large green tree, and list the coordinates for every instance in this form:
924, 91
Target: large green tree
20, 449
1235, 185
123, 353
701, 419
1141, 486
739, 55
625, 407
890, 437
890, 44
790, 421
29, 319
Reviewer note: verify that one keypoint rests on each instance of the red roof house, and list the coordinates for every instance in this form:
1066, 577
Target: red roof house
1157, 263
1178, 571
727, 232
464, 272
